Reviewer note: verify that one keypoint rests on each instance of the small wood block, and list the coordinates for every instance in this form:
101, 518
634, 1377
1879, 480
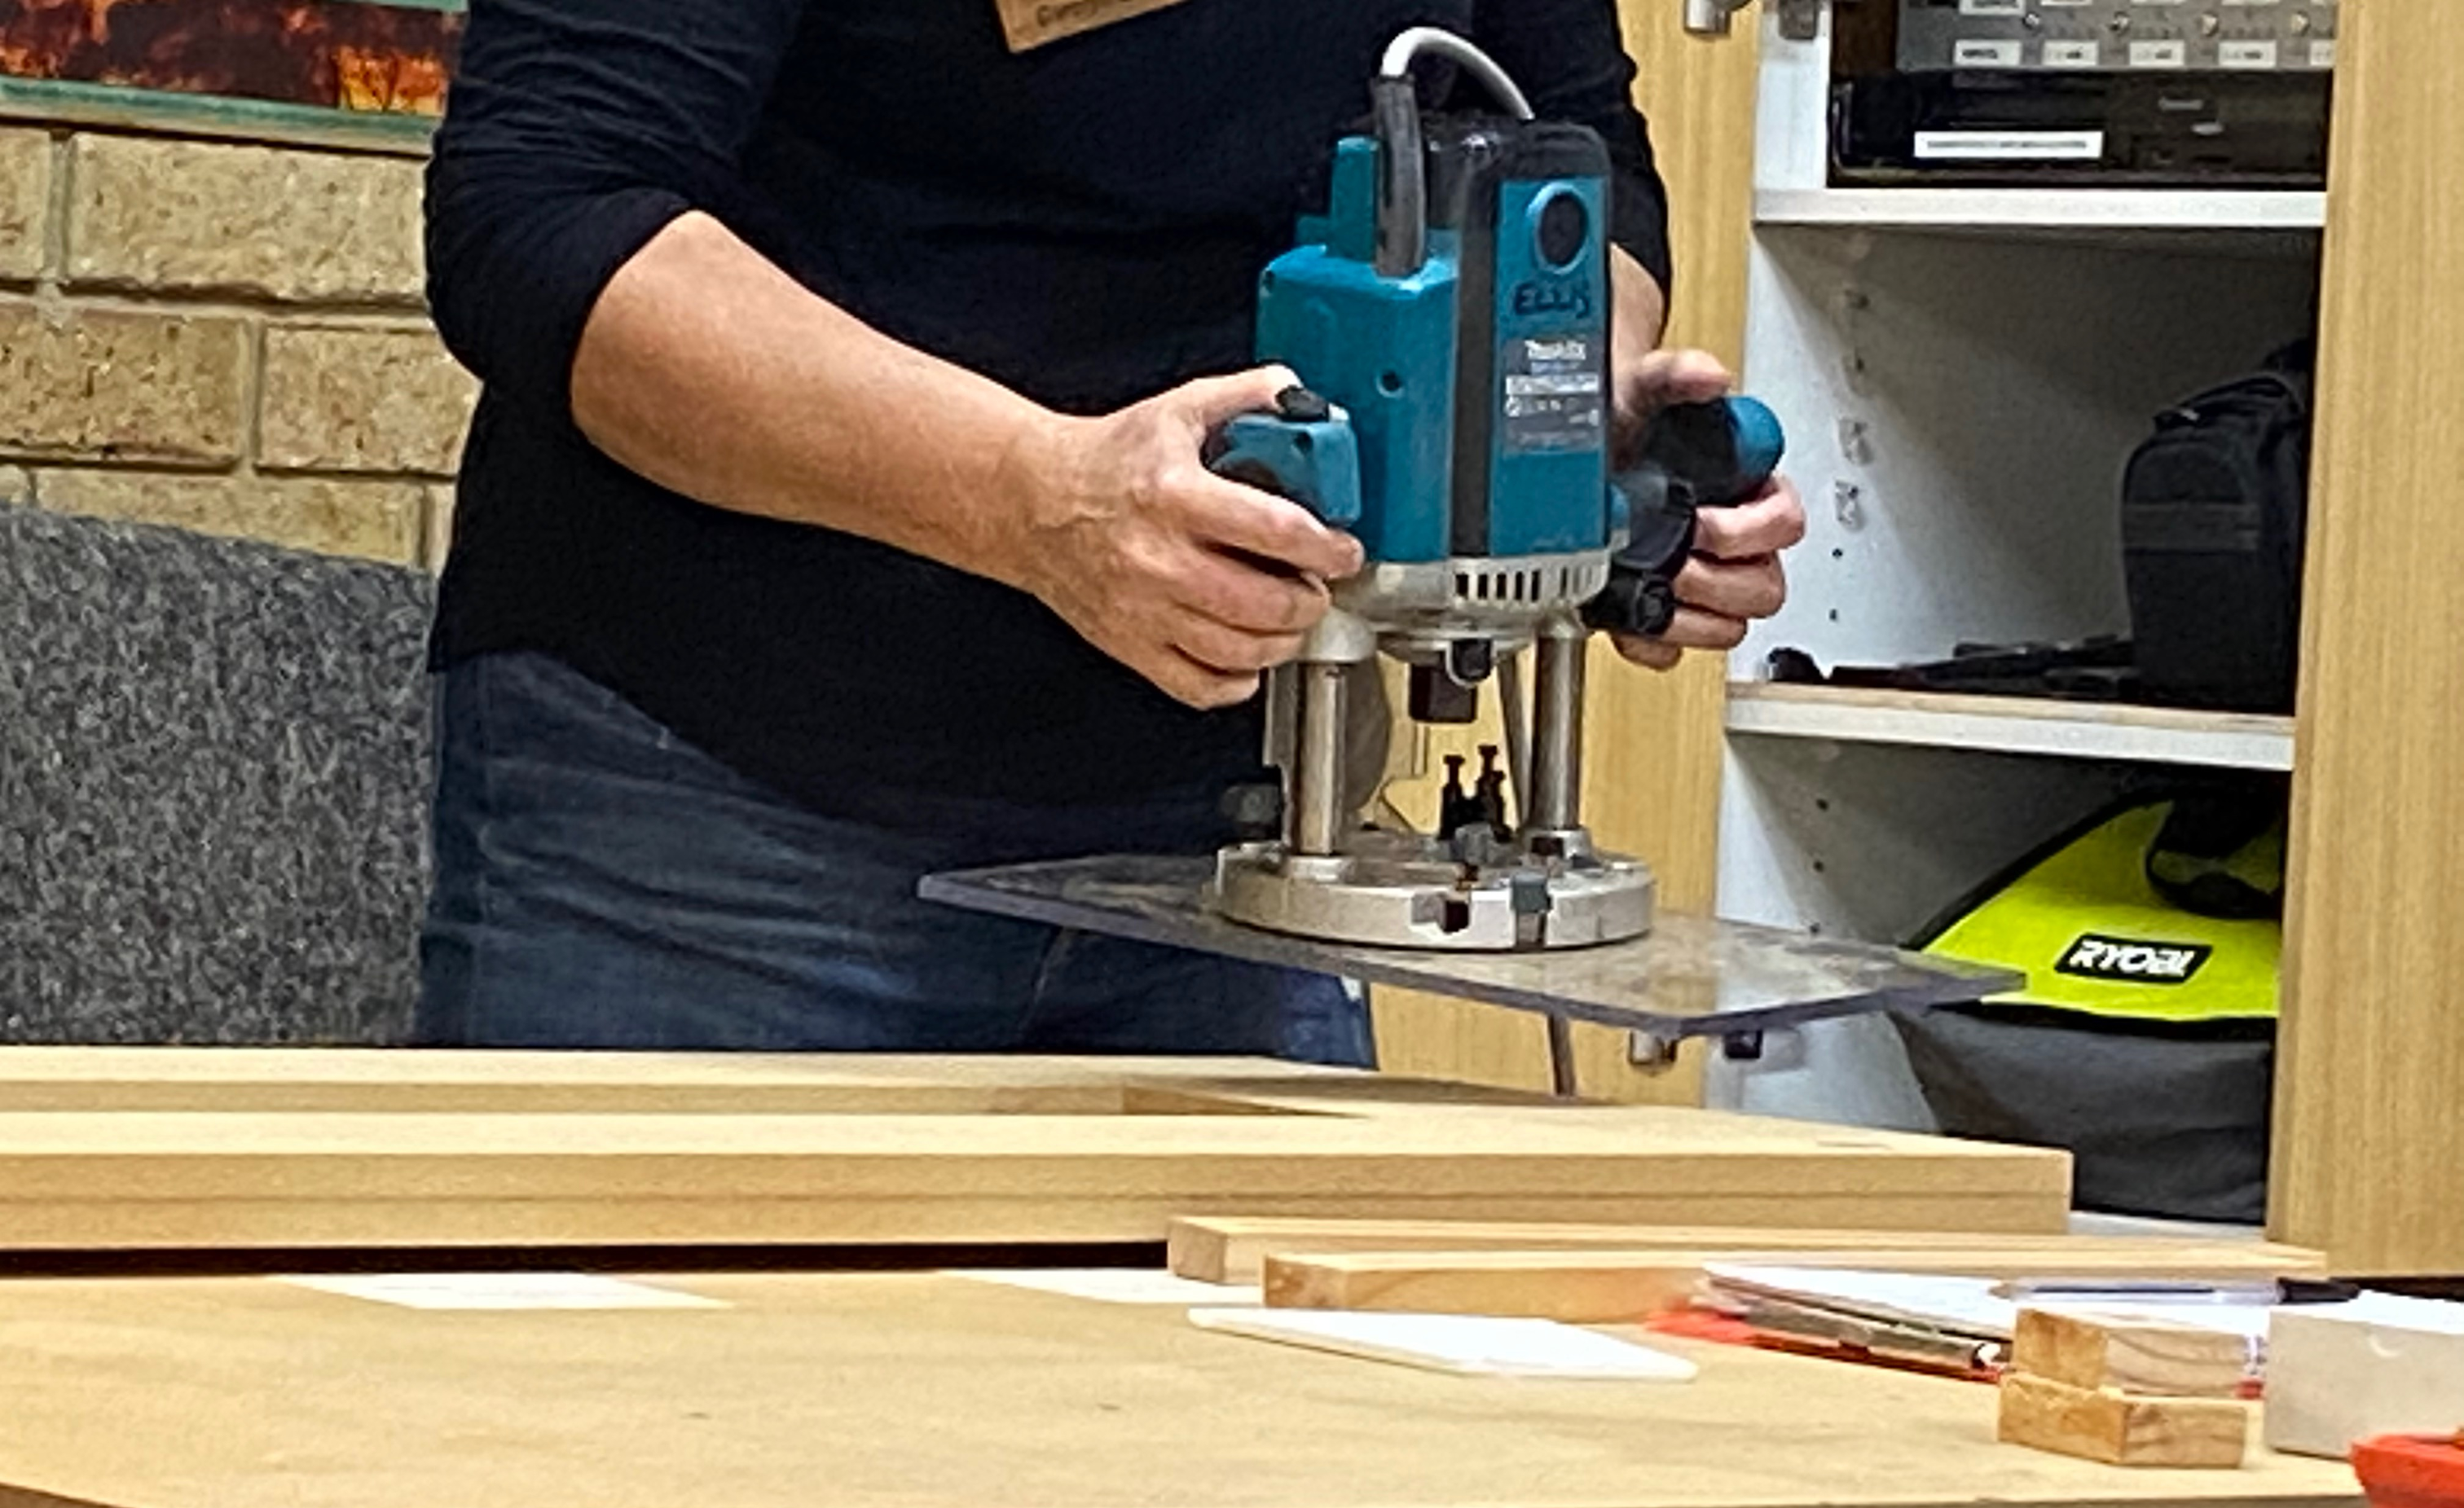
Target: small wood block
2134, 1356
2102, 1425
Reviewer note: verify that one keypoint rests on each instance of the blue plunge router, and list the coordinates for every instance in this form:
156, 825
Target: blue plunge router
1448, 317
1448, 320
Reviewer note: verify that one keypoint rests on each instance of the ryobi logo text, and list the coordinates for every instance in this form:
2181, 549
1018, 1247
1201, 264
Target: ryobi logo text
2132, 962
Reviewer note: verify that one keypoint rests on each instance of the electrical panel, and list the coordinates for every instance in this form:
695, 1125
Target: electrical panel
2118, 35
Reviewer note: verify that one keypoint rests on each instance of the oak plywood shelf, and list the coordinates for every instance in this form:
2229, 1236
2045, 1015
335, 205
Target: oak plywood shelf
2013, 725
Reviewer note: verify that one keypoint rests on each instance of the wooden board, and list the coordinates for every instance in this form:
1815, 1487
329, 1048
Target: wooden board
2123, 1430
2011, 724
919, 1391
1607, 1287
2132, 1357
139, 1148
387, 1081
1234, 1249
2369, 1149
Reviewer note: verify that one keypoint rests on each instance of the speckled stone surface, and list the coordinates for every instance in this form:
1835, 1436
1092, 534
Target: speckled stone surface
211, 216
214, 773
362, 399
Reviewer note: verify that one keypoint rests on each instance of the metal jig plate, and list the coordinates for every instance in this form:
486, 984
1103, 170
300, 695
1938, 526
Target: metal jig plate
1690, 976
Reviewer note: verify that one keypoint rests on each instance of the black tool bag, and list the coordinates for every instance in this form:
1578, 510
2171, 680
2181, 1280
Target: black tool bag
2213, 511
2155, 1072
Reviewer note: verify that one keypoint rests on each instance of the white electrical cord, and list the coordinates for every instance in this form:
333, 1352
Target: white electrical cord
1407, 48
1404, 51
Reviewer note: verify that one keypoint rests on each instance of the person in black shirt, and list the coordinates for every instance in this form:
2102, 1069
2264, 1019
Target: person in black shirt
833, 512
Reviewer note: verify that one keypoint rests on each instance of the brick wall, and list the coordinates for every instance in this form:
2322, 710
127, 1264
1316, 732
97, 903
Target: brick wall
226, 337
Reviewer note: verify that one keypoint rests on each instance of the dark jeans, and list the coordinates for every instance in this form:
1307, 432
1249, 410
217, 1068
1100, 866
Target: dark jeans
600, 882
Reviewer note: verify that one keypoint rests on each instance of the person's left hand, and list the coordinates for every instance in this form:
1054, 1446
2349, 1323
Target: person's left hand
1735, 575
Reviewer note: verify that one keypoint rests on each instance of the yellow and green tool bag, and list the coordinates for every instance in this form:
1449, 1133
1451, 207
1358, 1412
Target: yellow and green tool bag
2145, 1040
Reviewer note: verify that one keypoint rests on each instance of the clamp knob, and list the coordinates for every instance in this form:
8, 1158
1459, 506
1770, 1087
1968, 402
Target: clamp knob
1304, 450
1297, 404
1714, 454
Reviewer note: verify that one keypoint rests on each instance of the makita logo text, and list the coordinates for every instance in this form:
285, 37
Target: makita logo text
2094, 957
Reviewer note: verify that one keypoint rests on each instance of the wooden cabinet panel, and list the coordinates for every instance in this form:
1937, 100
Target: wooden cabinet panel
2369, 1124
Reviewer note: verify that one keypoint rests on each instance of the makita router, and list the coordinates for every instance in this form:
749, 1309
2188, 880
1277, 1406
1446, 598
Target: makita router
1448, 318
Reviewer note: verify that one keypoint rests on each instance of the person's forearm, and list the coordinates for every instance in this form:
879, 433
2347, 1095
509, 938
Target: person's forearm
709, 371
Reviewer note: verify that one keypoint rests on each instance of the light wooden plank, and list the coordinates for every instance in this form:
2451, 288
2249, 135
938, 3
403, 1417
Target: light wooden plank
44, 1228
365, 1081
1233, 1249
141, 1148
2119, 1429
2369, 1147
920, 1391
1605, 1287
2013, 725
514, 1068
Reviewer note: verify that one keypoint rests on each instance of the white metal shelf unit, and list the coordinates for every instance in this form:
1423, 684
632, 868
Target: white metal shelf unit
1961, 398
1960, 408
1959, 413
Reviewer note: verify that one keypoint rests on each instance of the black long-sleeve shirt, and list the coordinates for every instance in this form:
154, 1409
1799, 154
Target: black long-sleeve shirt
1084, 223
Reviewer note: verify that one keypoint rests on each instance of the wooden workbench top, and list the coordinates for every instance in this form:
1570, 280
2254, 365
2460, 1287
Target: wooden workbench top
920, 1390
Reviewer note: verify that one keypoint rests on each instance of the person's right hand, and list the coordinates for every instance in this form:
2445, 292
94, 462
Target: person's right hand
1195, 582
